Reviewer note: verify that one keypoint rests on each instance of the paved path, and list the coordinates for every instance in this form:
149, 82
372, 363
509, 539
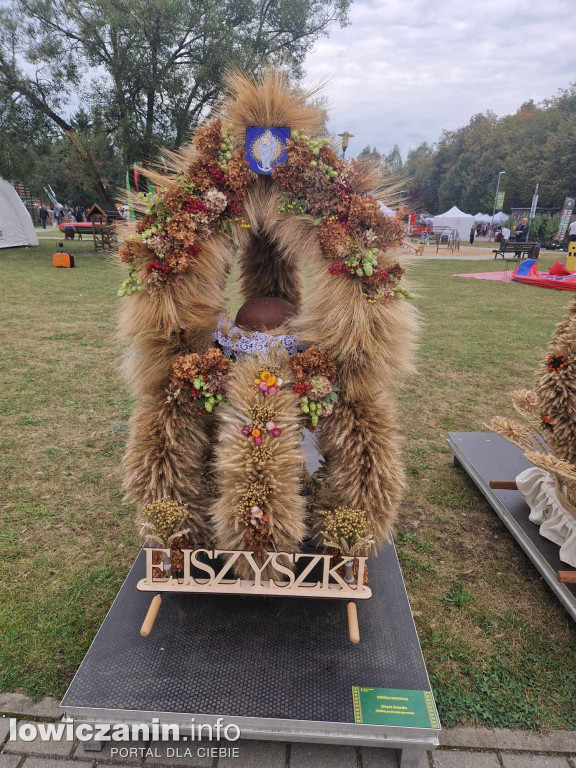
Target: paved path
459, 748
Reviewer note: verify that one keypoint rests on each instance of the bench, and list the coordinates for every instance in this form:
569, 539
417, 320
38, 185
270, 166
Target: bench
511, 246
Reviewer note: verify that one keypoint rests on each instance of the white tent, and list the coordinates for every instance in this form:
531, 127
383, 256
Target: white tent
16, 227
500, 217
487, 219
455, 219
479, 216
385, 210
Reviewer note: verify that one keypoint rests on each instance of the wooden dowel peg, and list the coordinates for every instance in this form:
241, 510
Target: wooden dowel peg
353, 628
503, 485
148, 622
566, 577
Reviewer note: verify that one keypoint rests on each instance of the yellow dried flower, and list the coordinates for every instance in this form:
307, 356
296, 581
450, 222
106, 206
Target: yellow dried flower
166, 516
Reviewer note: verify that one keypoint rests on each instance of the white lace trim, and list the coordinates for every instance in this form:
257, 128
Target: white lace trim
237, 342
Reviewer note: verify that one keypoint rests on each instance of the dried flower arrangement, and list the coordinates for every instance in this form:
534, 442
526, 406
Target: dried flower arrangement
199, 379
212, 209
353, 231
314, 376
346, 532
251, 513
163, 524
179, 219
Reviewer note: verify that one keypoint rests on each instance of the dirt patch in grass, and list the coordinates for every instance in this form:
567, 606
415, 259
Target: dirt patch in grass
498, 646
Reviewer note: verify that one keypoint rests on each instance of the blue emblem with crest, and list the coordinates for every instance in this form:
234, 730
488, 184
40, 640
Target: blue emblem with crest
266, 148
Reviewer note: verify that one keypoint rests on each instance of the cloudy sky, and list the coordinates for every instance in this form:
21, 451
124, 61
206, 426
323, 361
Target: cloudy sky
403, 70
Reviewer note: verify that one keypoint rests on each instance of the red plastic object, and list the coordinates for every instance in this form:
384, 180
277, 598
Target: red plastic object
558, 277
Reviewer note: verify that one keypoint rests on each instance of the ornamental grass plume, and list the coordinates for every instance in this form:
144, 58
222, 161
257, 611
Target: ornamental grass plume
268, 99
562, 469
513, 432
526, 405
525, 401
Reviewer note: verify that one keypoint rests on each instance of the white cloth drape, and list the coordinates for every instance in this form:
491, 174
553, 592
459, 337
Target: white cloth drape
556, 523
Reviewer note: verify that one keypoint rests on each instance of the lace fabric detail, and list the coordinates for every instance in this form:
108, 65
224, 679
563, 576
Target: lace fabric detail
236, 342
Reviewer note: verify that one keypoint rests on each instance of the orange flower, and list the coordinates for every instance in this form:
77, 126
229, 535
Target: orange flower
256, 432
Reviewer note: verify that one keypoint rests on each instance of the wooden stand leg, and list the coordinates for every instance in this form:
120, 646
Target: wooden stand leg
353, 628
148, 622
503, 485
566, 577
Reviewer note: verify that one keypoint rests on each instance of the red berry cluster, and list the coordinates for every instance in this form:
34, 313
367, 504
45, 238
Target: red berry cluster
302, 389
158, 266
235, 206
548, 422
556, 362
218, 176
192, 250
336, 267
396, 271
193, 205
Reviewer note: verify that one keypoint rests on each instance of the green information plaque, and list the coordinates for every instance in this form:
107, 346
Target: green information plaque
392, 706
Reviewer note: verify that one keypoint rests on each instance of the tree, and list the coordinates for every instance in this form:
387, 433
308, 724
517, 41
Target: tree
393, 160
152, 68
533, 145
41, 94
370, 154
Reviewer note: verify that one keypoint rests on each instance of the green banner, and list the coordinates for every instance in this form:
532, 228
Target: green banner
129, 197
394, 706
500, 200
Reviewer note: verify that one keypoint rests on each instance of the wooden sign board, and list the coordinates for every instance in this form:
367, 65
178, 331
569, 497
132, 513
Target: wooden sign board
218, 577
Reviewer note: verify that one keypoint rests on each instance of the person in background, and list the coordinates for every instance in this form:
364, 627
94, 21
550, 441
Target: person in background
78, 215
572, 232
43, 216
505, 235
521, 235
472, 234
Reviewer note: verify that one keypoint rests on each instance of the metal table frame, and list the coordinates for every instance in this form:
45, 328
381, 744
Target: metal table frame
486, 456
411, 741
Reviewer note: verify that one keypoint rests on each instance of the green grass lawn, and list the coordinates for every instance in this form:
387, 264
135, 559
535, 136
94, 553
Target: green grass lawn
499, 648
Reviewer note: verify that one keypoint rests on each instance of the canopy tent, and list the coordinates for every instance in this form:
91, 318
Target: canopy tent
479, 216
500, 217
388, 211
487, 219
455, 219
16, 227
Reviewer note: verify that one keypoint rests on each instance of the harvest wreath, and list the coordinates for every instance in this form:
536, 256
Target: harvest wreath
222, 405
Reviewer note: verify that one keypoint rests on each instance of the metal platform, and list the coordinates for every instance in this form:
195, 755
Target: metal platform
486, 456
281, 669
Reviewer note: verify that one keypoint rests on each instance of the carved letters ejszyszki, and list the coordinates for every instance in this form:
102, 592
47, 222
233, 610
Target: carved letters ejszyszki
217, 577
